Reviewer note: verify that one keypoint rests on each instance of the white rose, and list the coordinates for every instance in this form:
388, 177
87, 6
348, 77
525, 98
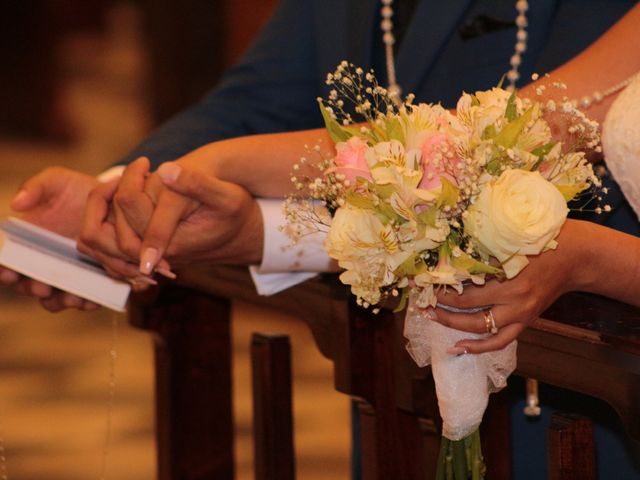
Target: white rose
516, 215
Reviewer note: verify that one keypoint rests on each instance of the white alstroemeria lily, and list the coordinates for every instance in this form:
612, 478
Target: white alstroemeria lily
368, 250
444, 273
536, 136
422, 122
392, 165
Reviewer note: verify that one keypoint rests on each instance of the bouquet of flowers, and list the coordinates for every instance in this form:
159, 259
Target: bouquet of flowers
422, 198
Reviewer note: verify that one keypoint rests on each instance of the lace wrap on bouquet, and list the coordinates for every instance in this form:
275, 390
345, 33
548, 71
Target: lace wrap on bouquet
621, 142
464, 382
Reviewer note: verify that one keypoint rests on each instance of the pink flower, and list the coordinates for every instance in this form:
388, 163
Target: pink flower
439, 159
350, 160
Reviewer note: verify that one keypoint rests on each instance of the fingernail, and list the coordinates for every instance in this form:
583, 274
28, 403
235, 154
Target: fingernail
9, 277
166, 273
138, 287
90, 306
457, 351
145, 280
148, 260
169, 172
431, 314
20, 197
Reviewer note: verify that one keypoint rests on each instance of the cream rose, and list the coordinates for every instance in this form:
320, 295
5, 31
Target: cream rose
516, 215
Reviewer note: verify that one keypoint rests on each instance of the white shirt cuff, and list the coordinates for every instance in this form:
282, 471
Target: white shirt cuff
284, 264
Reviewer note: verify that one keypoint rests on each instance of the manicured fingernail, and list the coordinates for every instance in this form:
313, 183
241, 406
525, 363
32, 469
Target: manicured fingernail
457, 351
20, 197
169, 172
166, 273
145, 280
148, 260
431, 314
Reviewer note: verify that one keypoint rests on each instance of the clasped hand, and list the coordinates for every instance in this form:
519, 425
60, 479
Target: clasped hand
152, 222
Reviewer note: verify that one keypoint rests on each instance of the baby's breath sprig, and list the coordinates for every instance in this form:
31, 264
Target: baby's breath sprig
578, 131
356, 92
316, 194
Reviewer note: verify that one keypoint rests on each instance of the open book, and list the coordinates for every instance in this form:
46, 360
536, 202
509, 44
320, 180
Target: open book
53, 259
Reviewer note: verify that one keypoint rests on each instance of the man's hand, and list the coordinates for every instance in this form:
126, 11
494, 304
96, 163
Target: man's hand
53, 199
223, 224
116, 217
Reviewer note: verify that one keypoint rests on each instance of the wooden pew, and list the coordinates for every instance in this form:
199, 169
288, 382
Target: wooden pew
583, 343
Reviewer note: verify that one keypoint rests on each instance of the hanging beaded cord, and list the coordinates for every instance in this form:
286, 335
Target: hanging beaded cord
395, 91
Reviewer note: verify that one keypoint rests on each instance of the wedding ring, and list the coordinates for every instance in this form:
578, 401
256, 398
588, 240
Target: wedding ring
490, 322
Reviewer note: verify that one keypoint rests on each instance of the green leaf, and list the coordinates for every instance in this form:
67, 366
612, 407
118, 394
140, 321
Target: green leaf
386, 213
448, 195
512, 130
412, 266
359, 201
570, 191
384, 191
429, 216
511, 112
394, 129
493, 166
489, 132
337, 132
468, 263
544, 150
404, 298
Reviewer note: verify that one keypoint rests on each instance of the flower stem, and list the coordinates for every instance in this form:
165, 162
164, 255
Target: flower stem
442, 459
461, 459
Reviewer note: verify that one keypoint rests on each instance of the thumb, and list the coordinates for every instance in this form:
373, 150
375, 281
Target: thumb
193, 183
29, 195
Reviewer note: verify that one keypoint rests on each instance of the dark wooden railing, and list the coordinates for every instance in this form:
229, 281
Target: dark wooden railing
583, 343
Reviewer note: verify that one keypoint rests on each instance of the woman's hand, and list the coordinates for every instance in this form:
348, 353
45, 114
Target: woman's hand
517, 303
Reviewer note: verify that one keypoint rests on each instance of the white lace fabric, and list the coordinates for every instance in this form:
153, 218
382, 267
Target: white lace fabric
621, 142
463, 382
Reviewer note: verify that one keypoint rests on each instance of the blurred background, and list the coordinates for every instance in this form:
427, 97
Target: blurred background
81, 83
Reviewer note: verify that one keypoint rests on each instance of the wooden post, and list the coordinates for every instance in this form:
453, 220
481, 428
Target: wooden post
571, 448
272, 412
194, 419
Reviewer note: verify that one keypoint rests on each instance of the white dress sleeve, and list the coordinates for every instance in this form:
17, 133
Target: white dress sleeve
621, 142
